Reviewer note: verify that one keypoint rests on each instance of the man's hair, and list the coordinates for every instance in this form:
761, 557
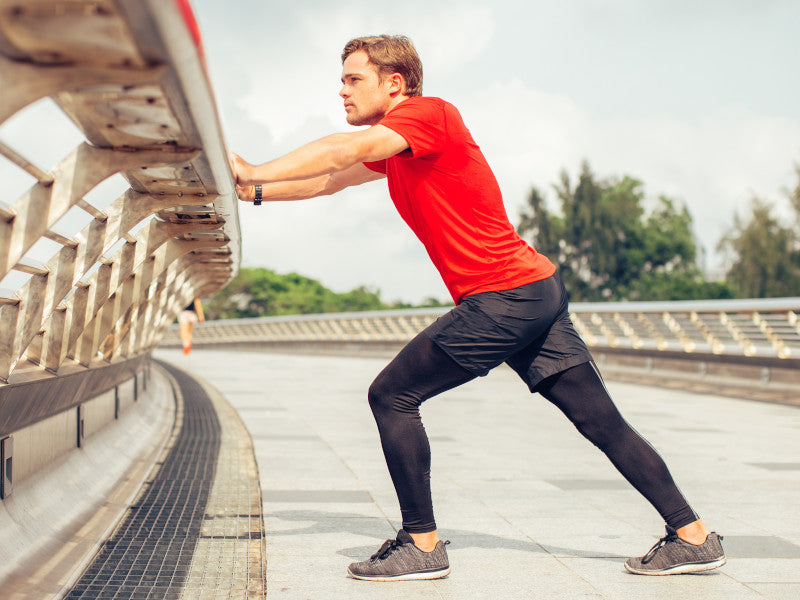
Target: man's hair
391, 54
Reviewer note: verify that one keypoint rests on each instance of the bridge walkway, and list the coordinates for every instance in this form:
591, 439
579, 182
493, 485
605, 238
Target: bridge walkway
532, 510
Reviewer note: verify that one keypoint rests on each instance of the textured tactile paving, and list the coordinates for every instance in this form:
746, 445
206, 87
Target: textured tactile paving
195, 531
229, 558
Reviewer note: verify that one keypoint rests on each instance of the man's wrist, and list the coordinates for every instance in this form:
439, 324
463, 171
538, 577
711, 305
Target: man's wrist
258, 174
257, 194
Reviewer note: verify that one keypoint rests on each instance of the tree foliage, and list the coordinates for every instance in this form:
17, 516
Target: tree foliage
259, 292
765, 254
608, 248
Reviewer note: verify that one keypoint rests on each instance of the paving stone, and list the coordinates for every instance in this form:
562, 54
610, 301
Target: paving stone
532, 509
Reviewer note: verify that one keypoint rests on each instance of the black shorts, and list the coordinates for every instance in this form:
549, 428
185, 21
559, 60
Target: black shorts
527, 327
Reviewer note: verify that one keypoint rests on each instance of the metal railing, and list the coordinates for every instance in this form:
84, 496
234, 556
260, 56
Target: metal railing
743, 328
129, 74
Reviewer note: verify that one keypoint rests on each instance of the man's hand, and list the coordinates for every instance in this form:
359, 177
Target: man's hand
246, 193
240, 168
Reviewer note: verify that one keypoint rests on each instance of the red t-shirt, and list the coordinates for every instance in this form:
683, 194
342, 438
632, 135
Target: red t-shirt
445, 191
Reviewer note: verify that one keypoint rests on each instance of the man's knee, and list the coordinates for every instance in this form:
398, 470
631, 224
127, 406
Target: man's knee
378, 396
603, 429
385, 398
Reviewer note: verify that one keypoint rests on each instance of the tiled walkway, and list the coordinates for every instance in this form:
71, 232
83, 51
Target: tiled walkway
195, 530
532, 510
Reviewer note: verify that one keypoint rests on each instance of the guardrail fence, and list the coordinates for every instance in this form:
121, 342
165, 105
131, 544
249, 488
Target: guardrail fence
129, 74
751, 328
749, 347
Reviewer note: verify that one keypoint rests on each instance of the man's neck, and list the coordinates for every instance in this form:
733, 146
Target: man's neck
395, 101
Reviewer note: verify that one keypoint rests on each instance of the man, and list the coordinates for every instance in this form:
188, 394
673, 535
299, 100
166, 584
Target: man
511, 304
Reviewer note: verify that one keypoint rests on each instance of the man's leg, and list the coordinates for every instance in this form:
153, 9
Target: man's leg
581, 395
689, 546
186, 321
421, 370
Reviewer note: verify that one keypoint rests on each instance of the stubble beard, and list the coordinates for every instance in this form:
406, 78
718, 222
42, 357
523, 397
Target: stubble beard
356, 119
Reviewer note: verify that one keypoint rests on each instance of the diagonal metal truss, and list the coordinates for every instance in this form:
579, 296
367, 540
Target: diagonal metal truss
130, 75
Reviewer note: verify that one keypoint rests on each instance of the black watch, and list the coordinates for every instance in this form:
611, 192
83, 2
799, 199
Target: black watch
257, 199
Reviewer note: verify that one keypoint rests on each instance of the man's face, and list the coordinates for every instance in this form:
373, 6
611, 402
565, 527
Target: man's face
367, 97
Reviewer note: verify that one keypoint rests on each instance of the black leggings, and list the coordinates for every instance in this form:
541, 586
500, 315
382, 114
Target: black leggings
422, 370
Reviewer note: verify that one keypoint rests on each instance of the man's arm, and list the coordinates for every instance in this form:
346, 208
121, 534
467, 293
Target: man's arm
328, 155
301, 189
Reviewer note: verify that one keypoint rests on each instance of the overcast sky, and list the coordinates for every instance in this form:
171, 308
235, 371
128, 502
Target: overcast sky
699, 100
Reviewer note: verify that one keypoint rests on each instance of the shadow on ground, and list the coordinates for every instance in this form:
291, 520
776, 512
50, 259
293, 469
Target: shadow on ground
321, 522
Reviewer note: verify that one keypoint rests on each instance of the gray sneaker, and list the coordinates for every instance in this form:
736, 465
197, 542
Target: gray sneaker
400, 559
671, 556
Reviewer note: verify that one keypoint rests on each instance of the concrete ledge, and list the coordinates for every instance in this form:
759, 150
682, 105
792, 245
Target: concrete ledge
752, 378
376, 348
54, 520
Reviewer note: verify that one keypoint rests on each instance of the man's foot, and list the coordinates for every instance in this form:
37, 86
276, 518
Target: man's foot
671, 556
187, 349
400, 559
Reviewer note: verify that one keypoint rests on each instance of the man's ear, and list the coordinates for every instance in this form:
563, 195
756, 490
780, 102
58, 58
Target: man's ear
397, 84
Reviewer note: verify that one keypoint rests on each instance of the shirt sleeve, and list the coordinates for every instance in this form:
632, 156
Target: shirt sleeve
379, 166
422, 124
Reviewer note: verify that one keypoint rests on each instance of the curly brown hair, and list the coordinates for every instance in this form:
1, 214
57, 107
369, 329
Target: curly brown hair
391, 54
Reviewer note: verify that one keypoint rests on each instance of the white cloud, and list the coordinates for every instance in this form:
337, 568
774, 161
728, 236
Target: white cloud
304, 85
527, 135
684, 103
714, 162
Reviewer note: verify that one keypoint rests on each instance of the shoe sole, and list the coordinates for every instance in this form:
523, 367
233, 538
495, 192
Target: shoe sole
680, 569
404, 577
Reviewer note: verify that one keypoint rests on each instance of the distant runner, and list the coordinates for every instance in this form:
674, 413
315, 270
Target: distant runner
510, 304
190, 315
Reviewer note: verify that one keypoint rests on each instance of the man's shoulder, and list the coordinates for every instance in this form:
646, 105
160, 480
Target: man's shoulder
423, 103
428, 124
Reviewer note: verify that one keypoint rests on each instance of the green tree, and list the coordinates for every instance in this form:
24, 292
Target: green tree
765, 254
361, 298
258, 292
607, 248
670, 270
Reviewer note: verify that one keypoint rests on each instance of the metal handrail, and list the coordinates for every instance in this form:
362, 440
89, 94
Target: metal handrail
749, 328
130, 75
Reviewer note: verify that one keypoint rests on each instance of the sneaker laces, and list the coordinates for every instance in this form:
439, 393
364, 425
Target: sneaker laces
671, 536
385, 550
